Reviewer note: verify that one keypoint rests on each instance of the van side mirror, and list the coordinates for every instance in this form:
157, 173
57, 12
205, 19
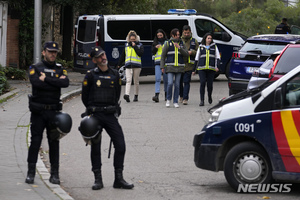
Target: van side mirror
278, 98
226, 37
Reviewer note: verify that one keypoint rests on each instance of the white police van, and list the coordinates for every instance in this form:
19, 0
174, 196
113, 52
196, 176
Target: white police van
254, 136
110, 31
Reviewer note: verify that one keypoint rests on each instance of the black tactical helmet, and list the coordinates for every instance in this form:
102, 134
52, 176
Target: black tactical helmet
62, 125
90, 130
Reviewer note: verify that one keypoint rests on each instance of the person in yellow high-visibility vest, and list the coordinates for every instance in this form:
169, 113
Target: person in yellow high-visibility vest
132, 56
157, 46
206, 64
172, 63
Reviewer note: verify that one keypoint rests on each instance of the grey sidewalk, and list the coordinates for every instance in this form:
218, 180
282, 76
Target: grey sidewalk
14, 126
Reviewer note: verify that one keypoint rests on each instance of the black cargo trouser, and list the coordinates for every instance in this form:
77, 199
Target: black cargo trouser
110, 123
40, 121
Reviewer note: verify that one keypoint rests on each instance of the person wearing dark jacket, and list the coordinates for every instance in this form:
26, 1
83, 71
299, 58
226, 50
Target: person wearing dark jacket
47, 79
172, 63
131, 55
101, 90
283, 27
207, 62
192, 46
157, 46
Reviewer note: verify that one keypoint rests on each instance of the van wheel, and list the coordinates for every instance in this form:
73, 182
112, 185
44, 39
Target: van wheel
247, 163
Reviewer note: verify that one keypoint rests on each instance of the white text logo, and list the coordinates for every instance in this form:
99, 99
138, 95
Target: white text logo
261, 188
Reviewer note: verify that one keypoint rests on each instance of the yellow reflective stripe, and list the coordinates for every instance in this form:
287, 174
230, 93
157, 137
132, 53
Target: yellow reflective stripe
132, 56
207, 58
158, 54
176, 56
291, 133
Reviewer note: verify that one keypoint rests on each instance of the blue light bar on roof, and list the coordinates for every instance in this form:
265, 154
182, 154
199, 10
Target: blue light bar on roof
182, 11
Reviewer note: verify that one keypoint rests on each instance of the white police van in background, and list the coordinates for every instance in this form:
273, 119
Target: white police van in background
110, 31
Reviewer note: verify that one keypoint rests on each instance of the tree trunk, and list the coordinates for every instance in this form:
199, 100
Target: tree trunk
67, 31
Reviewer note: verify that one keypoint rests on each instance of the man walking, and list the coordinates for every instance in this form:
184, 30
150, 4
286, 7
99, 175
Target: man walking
192, 46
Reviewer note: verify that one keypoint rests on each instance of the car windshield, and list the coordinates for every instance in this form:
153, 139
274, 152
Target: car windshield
288, 61
265, 47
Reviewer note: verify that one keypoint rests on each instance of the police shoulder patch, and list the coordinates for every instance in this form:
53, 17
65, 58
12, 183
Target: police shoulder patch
85, 82
31, 71
65, 72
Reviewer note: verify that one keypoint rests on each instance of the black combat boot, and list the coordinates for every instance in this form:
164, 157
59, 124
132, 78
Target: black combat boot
155, 98
54, 178
210, 100
120, 182
201, 103
135, 98
31, 173
98, 180
126, 97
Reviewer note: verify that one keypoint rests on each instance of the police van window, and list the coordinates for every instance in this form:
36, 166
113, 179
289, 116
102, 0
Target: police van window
167, 25
118, 30
86, 31
292, 92
204, 26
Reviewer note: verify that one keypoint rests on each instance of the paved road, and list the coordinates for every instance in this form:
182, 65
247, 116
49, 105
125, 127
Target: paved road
159, 157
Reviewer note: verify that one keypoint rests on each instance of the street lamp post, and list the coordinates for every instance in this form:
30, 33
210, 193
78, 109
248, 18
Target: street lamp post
37, 30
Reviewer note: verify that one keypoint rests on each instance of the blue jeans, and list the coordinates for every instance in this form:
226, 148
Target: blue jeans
177, 76
165, 78
158, 79
185, 84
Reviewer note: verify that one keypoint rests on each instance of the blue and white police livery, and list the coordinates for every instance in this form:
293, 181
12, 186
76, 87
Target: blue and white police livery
254, 137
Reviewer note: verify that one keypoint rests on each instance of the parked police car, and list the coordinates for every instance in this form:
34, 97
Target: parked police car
254, 136
110, 31
251, 56
261, 75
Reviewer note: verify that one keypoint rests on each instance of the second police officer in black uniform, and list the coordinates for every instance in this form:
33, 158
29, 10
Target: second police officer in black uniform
47, 79
101, 91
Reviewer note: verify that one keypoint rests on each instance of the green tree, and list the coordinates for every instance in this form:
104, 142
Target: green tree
223, 8
262, 19
251, 21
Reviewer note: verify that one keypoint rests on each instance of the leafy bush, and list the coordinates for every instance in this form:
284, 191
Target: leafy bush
10, 73
65, 64
14, 73
4, 86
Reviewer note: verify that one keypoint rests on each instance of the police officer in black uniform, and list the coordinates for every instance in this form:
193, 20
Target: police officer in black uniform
47, 79
101, 91
283, 27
